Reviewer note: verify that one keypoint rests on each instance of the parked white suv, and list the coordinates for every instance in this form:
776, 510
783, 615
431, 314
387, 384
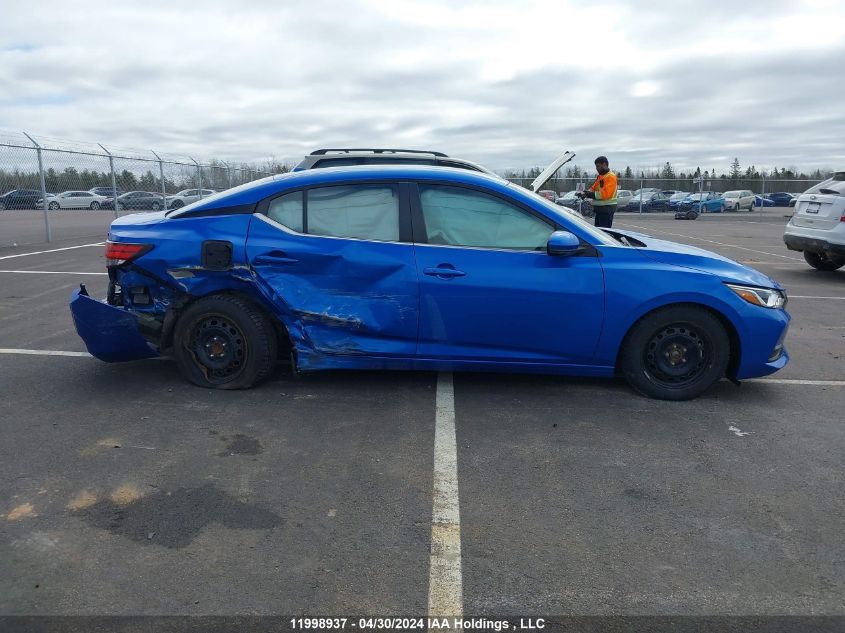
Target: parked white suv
818, 225
187, 196
739, 199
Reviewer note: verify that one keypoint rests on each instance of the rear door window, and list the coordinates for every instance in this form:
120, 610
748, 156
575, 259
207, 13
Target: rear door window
364, 212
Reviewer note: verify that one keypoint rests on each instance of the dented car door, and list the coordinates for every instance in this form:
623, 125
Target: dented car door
337, 263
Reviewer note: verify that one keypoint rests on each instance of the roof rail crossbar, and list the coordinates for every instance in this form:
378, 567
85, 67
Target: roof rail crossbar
321, 152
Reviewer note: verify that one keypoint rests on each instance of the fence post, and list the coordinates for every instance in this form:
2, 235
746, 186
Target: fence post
762, 196
199, 177
113, 179
43, 188
641, 194
228, 175
161, 175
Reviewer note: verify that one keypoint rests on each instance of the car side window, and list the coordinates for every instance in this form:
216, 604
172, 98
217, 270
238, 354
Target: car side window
366, 212
287, 210
456, 216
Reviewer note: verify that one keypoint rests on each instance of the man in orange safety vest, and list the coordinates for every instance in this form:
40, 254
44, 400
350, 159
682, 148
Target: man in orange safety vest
603, 193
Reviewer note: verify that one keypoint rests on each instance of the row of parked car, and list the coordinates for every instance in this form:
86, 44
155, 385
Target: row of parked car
685, 204
101, 198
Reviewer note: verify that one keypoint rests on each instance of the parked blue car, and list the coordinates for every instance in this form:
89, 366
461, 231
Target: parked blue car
761, 201
781, 198
425, 268
704, 202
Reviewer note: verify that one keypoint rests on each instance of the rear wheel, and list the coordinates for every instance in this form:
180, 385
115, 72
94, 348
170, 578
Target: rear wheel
95, 205
156, 206
676, 353
820, 261
224, 342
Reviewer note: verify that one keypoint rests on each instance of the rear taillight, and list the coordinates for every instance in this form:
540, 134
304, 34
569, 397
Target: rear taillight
118, 253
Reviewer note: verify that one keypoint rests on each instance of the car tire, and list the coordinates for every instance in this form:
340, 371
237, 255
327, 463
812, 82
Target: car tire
155, 206
820, 261
2, 206
95, 206
224, 342
675, 353
53, 206
121, 206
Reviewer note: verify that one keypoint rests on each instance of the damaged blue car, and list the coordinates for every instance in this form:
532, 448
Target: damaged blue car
427, 268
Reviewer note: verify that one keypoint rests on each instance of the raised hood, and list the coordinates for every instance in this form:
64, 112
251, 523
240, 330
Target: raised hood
676, 254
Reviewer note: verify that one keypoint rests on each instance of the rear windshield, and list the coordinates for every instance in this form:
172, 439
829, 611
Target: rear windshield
835, 185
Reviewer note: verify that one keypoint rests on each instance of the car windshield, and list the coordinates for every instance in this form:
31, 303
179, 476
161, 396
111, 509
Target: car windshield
732, 194
678, 196
832, 186
697, 196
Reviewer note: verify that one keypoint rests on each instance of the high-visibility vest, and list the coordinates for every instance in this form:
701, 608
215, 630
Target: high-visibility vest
605, 189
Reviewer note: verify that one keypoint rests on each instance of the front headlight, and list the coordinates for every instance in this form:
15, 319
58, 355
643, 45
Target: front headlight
764, 297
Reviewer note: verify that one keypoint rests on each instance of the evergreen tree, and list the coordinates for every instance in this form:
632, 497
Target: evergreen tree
735, 173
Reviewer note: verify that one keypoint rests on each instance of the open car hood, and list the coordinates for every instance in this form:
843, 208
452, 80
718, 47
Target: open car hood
550, 171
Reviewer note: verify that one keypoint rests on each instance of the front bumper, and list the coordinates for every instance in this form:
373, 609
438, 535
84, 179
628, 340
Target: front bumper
110, 333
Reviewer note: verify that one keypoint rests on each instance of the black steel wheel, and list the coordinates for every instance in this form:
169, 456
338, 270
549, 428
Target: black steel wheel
675, 353
822, 261
224, 342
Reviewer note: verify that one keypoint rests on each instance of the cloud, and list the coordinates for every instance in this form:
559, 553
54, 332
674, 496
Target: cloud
505, 84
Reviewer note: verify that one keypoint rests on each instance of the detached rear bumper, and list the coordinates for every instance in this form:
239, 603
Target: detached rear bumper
110, 333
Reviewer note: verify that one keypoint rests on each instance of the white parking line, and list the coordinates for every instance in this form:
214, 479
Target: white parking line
48, 272
41, 352
55, 250
445, 585
815, 297
701, 239
790, 381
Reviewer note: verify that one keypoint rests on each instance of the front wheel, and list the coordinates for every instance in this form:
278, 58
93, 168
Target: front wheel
820, 261
675, 353
95, 206
53, 206
224, 342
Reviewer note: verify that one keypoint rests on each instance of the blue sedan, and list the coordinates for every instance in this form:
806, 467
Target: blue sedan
425, 268
764, 201
781, 198
703, 202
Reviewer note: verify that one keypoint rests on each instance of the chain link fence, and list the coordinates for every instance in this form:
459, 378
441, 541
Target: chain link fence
761, 187
78, 181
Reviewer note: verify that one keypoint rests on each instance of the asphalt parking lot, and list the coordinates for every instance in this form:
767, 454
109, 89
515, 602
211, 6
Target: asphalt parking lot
125, 490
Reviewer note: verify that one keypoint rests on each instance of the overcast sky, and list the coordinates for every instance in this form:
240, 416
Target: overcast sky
508, 84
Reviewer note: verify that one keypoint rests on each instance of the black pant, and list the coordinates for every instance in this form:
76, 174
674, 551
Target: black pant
604, 215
